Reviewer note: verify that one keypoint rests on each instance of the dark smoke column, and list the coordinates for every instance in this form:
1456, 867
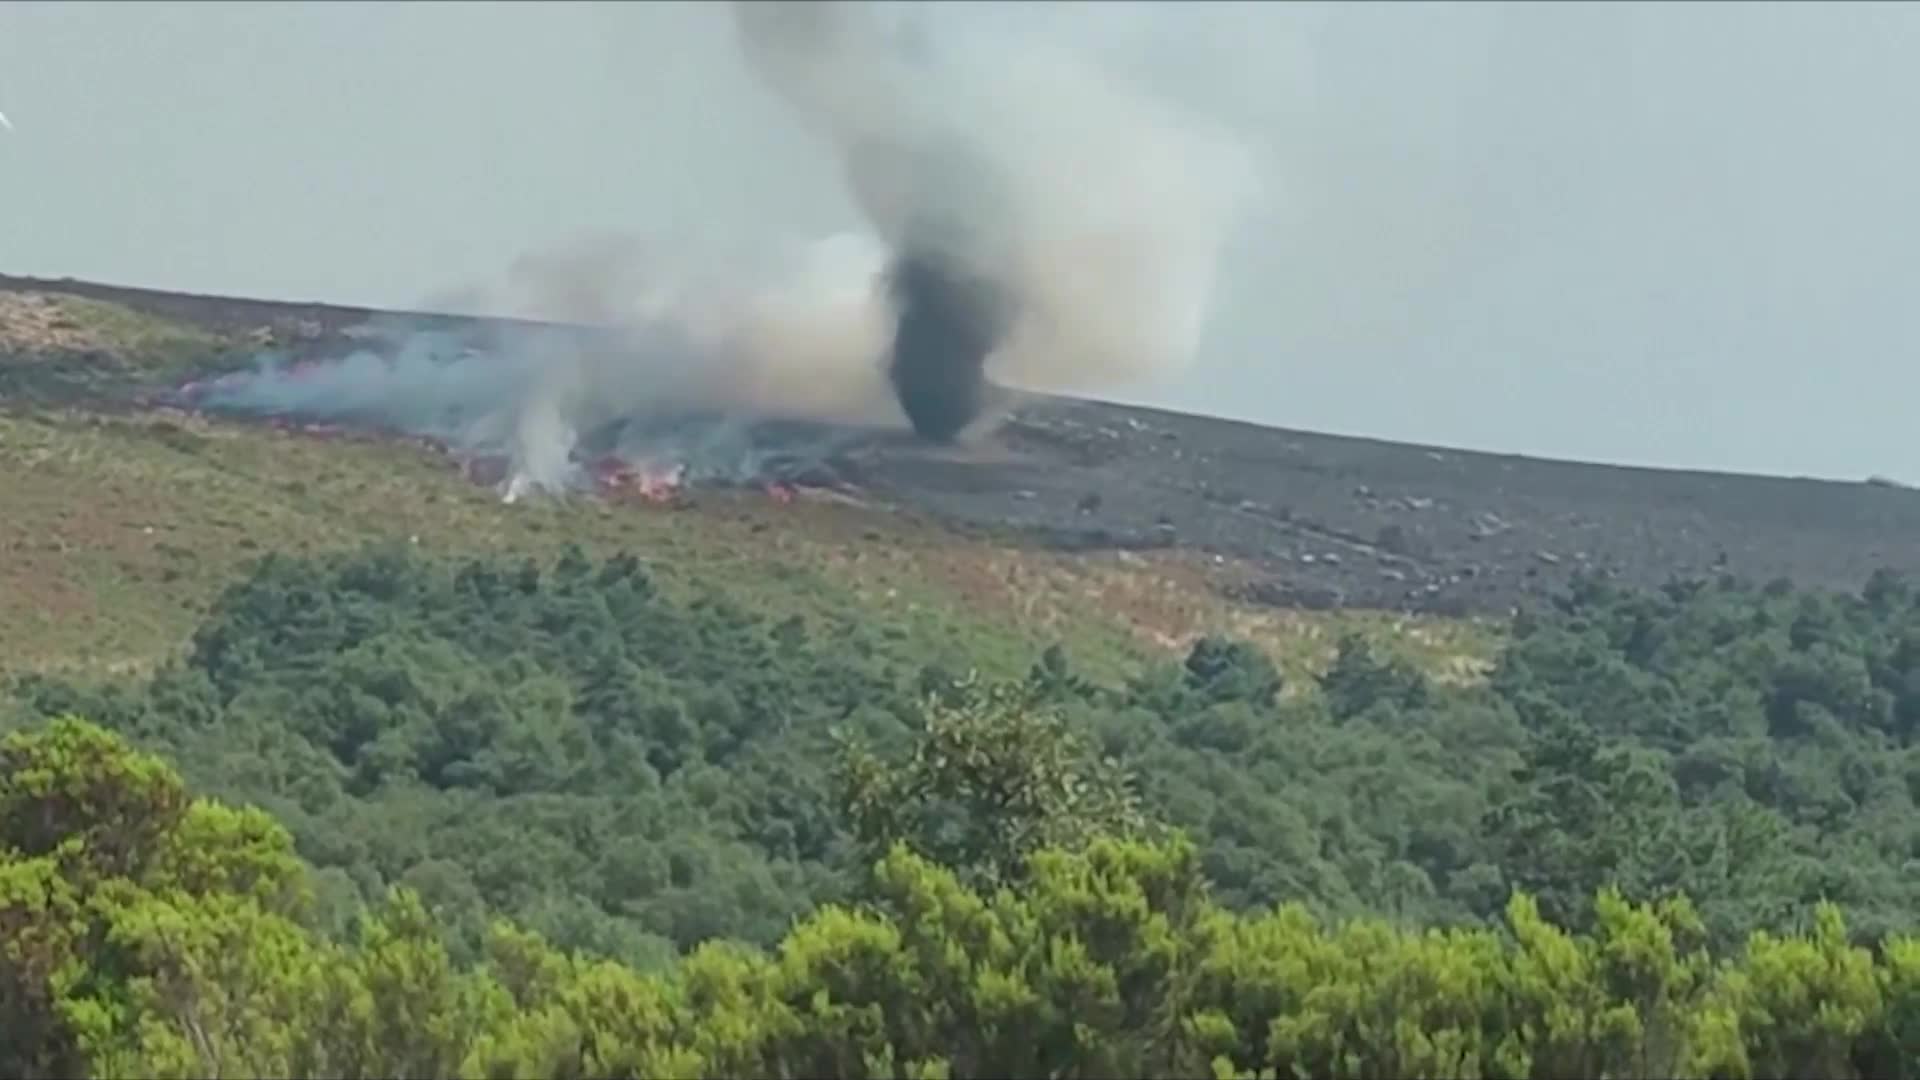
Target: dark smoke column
948, 319
936, 200
945, 327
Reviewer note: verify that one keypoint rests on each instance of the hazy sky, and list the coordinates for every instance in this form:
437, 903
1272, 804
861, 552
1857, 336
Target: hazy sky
1678, 234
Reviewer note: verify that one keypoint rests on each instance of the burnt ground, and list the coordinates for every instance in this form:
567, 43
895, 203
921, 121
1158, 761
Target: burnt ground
1337, 521
1325, 521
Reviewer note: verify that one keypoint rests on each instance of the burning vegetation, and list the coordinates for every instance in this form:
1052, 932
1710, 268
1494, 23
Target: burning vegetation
984, 251
646, 481
656, 460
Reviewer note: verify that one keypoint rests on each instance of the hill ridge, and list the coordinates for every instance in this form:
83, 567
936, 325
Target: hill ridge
348, 315
1311, 520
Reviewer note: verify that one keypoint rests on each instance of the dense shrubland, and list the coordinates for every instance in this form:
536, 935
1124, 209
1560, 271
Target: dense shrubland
545, 820
149, 933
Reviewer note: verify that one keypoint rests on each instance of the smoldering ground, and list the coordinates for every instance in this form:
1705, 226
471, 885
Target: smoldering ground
1032, 221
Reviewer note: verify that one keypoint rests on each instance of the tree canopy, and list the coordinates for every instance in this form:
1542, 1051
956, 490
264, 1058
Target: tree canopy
604, 828
636, 773
180, 949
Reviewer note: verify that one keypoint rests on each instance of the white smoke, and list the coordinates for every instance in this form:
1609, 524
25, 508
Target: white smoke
599, 337
1101, 206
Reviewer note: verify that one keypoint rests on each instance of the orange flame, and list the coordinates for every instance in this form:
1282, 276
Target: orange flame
649, 481
657, 484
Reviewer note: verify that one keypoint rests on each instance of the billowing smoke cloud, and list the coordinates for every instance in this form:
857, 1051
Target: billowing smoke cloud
1043, 215
1035, 222
592, 341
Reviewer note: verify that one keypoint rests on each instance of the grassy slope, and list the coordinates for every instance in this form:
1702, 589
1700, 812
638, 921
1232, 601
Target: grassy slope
116, 530
44, 336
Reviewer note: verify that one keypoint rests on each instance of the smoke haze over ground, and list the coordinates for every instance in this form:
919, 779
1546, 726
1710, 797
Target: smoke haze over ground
671, 368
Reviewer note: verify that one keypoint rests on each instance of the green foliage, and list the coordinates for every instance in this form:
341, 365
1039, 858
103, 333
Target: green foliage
993, 777
117, 889
128, 336
563, 745
633, 774
1110, 959
1360, 679
1751, 748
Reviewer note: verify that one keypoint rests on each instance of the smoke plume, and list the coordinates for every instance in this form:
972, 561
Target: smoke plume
596, 343
1046, 221
1034, 222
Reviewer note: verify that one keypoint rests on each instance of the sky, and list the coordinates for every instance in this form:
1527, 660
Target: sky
1658, 234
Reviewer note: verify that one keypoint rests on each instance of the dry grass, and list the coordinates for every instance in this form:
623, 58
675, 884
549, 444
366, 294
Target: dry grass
47, 327
116, 532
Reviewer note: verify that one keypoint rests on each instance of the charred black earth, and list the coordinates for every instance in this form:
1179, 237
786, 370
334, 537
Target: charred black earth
1326, 520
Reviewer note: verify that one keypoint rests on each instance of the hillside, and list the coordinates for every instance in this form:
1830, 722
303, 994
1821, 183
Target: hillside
141, 513
710, 772
1307, 520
